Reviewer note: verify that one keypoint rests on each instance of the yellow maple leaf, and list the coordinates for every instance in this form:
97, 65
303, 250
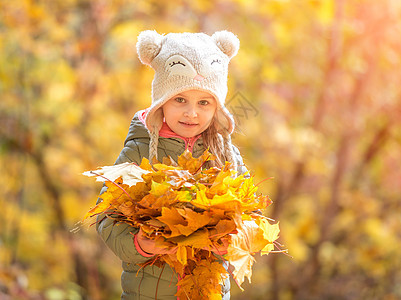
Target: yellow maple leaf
201, 200
219, 180
270, 234
193, 165
164, 167
99, 208
159, 189
145, 164
228, 201
183, 196
186, 161
182, 255
244, 244
111, 198
234, 182
248, 189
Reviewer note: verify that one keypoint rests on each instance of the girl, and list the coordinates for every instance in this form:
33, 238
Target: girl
187, 112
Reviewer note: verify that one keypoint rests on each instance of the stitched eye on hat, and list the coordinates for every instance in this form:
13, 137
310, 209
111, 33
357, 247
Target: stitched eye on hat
215, 63
172, 64
179, 65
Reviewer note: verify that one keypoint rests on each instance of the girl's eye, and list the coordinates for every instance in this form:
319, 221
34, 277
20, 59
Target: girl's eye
217, 61
203, 102
180, 100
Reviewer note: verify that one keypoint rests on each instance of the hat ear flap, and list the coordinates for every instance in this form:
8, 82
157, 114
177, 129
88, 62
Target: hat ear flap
148, 45
227, 42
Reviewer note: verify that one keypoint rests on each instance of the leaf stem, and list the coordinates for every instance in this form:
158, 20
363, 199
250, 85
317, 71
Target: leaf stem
264, 180
202, 164
157, 285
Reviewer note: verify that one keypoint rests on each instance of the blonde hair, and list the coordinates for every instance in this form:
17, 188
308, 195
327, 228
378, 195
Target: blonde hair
220, 145
153, 143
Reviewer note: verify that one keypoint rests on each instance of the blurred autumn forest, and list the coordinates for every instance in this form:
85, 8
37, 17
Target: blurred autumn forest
316, 92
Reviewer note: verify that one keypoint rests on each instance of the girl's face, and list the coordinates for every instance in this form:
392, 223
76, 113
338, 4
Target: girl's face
189, 113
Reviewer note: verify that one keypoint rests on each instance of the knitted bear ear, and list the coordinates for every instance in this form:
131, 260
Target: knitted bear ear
227, 42
148, 45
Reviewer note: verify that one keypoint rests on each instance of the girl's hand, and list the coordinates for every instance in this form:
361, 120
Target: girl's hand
149, 246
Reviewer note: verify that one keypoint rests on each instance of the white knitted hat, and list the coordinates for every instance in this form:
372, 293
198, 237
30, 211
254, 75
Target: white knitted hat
187, 61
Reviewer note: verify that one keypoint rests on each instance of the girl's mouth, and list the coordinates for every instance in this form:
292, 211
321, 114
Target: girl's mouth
188, 124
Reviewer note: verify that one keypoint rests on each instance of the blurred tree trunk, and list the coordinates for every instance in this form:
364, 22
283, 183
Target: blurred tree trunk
284, 192
379, 140
348, 140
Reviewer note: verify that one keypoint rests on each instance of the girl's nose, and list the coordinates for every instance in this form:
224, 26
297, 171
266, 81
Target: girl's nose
191, 112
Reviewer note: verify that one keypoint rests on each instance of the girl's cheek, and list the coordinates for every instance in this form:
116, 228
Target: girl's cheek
207, 108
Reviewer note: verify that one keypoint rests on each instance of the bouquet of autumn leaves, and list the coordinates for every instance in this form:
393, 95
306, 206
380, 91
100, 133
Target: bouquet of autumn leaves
195, 210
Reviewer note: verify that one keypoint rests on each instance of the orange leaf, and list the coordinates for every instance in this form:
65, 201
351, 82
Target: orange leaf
195, 221
224, 227
182, 255
204, 282
171, 218
198, 239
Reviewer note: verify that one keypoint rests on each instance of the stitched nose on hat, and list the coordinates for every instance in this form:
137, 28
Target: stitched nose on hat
199, 77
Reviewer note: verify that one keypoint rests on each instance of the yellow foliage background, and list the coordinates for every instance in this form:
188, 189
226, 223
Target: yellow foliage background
315, 89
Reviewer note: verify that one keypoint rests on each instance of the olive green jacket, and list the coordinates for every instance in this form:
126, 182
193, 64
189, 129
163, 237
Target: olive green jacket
119, 237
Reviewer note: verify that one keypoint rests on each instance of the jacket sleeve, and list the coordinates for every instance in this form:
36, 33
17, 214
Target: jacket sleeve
119, 237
